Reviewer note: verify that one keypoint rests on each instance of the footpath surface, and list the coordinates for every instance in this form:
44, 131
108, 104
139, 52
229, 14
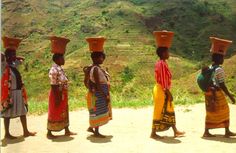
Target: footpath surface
128, 132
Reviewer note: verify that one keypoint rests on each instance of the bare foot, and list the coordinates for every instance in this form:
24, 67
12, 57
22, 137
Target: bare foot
90, 130
70, 133
8, 136
179, 134
230, 134
50, 136
208, 135
155, 136
27, 134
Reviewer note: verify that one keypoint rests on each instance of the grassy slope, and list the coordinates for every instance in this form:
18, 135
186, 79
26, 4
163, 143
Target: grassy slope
130, 49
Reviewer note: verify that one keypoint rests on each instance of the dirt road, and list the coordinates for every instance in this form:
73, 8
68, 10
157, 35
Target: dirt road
128, 132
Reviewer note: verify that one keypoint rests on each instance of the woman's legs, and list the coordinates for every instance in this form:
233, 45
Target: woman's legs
97, 134
207, 133
7, 126
68, 132
176, 132
25, 128
50, 135
154, 135
228, 133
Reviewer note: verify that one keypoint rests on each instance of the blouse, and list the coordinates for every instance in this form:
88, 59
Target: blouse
162, 74
218, 76
57, 75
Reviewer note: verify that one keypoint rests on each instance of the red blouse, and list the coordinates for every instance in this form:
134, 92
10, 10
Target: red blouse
162, 74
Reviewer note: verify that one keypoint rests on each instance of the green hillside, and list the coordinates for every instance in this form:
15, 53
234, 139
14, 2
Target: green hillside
130, 47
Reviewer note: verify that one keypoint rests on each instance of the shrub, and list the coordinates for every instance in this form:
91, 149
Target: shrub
127, 75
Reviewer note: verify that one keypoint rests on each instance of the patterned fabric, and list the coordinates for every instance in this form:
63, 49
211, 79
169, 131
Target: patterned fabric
162, 74
219, 76
58, 116
7, 83
164, 114
13, 97
5, 87
16, 106
99, 110
57, 75
217, 110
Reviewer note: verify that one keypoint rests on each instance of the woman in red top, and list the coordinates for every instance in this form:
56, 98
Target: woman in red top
164, 114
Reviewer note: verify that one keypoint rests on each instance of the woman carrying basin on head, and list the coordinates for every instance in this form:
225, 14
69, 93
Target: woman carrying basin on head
164, 114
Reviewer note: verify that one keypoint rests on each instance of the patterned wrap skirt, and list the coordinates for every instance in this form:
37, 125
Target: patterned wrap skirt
58, 116
164, 114
217, 110
99, 109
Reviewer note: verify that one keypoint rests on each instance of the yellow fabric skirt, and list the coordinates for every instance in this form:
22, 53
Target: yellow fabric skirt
164, 114
217, 110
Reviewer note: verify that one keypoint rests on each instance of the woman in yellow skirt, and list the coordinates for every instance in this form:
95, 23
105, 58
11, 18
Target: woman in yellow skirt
164, 114
217, 109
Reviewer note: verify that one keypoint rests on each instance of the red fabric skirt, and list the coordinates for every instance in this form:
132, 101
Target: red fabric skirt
58, 116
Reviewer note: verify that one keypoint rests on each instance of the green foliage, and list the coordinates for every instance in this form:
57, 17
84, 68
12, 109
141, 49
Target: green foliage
127, 75
130, 46
234, 20
202, 8
138, 2
120, 13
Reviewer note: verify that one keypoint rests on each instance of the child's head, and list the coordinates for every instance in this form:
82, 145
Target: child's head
204, 69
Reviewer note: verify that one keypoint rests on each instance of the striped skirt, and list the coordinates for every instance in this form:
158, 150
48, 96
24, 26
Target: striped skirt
217, 110
99, 109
